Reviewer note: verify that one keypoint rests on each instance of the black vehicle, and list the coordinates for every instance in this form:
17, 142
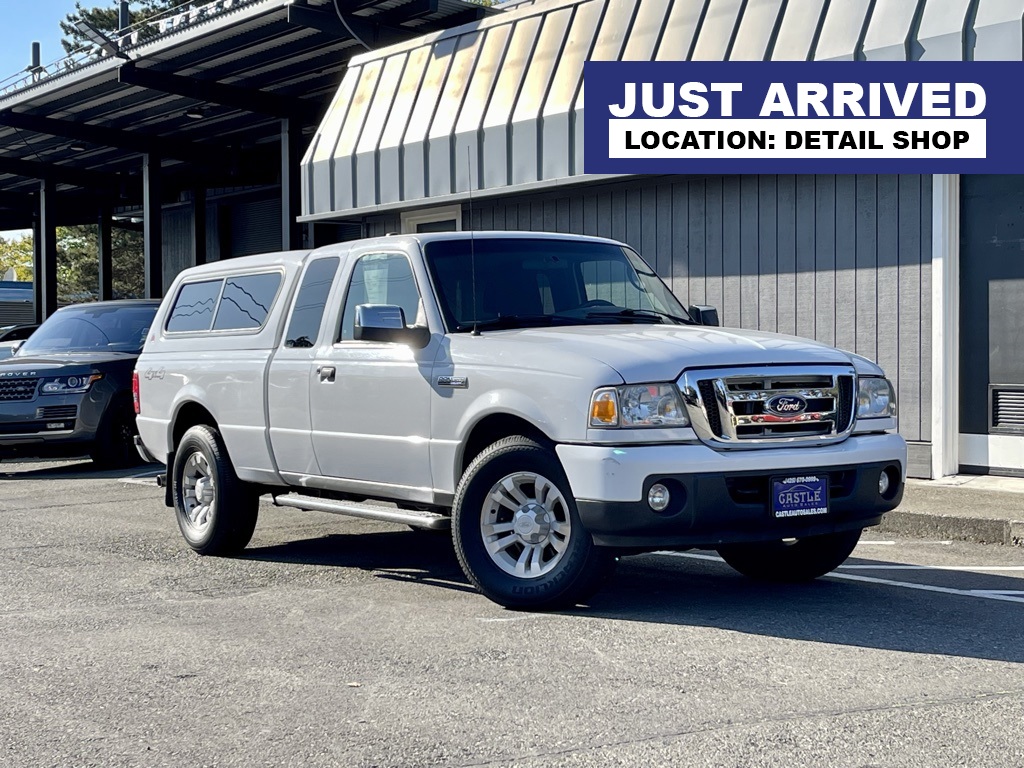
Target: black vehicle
16, 332
67, 391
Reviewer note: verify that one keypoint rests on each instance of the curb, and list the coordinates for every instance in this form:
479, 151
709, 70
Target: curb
951, 527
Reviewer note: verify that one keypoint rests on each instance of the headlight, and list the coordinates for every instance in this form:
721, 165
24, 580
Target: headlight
69, 385
875, 399
638, 405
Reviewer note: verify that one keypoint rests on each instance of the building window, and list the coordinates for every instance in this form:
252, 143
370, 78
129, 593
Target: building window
447, 219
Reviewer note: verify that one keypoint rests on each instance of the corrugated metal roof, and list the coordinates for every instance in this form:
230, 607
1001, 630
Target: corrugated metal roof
247, 43
505, 96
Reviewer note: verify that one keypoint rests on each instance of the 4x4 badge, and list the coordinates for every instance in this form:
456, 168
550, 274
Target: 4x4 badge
456, 382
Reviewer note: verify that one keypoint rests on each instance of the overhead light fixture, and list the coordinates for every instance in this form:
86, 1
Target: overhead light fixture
195, 113
76, 148
98, 38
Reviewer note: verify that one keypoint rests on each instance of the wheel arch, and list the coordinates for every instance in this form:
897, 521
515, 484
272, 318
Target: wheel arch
490, 428
188, 414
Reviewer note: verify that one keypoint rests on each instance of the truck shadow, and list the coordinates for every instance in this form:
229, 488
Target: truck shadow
693, 593
412, 556
71, 469
699, 593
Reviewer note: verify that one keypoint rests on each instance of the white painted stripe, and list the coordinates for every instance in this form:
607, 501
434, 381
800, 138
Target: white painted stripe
923, 587
964, 568
998, 591
882, 582
880, 543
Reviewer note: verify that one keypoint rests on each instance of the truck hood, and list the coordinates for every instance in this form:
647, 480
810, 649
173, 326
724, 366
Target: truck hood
655, 352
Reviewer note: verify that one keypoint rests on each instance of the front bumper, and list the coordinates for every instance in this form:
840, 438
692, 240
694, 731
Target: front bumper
723, 497
51, 425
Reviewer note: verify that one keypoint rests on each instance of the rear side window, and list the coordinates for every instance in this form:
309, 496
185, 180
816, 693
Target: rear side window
246, 302
194, 308
304, 326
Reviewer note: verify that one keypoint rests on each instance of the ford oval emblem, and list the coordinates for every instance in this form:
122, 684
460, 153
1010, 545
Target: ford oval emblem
786, 405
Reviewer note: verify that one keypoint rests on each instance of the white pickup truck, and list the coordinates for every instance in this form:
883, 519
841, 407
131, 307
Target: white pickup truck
544, 396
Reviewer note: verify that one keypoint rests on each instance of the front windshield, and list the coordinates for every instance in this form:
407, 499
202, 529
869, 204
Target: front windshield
522, 282
99, 328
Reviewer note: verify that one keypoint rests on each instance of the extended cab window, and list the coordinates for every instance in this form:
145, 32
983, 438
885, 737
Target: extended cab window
380, 278
246, 301
304, 326
193, 309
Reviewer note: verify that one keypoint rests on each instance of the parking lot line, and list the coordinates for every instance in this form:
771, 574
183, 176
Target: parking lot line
999, 595
897, 567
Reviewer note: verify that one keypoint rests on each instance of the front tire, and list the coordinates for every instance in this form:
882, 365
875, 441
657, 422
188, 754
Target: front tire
517, 532
216, 511
791, 561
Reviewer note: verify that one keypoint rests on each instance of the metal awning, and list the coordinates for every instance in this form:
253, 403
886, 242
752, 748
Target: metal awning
206, 88
497, 106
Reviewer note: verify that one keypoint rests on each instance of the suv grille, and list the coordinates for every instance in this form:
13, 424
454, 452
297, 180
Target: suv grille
57, 412
733, 407
18, 389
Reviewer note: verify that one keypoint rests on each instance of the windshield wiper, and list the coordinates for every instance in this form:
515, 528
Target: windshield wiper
651, 314
516, 321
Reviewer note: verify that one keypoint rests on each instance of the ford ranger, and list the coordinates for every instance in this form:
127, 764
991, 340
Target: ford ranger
545, 396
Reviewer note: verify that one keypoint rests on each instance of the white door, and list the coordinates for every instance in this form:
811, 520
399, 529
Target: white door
370, 401
288, 381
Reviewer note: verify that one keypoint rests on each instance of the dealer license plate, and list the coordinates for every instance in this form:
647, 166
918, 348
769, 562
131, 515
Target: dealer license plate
799, 496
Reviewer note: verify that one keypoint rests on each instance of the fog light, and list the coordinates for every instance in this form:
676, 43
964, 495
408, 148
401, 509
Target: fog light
658, 497
883, 483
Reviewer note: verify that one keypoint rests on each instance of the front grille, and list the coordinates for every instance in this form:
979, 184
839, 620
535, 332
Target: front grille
707, 395
845, 401
57, 412
18, 389
747, 406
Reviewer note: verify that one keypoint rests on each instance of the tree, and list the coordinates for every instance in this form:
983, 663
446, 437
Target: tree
105, 18
16, 254
78, 272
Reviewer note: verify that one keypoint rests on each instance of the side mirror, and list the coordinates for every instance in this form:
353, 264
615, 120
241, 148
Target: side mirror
704, 315
386, 323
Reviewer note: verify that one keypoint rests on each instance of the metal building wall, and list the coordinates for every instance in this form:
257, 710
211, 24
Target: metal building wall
499, 105
841, 259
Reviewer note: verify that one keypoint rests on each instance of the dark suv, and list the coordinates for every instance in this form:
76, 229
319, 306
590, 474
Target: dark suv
67, 391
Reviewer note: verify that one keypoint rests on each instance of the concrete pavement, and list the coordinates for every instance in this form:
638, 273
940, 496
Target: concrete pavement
982, 509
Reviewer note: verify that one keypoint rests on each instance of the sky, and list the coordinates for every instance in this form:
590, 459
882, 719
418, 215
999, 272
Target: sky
28, 21
25, 22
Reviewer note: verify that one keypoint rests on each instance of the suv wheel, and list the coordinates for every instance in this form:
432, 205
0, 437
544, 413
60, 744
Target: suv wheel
793, 560
115, 441
216, 511
517, 533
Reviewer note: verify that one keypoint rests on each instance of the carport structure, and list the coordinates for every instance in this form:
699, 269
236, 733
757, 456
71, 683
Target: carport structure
190, 126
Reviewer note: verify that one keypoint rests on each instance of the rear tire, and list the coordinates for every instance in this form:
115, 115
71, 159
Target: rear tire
216, 511
115, 440
517, 532
800, 560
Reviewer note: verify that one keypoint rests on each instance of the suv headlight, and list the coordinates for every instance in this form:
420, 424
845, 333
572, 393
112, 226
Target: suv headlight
638, 405
68, 385
875, 399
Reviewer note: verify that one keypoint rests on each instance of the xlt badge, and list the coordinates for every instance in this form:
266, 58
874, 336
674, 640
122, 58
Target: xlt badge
455, 382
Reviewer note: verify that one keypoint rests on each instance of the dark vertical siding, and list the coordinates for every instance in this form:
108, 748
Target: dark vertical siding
177, 241
256, 227
841, 259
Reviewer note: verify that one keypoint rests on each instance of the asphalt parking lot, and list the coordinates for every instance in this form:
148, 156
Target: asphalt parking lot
335, 641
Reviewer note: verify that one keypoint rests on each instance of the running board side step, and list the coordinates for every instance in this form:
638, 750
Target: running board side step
412, 517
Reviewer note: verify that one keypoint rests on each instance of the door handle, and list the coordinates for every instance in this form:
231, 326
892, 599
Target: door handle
326, 372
